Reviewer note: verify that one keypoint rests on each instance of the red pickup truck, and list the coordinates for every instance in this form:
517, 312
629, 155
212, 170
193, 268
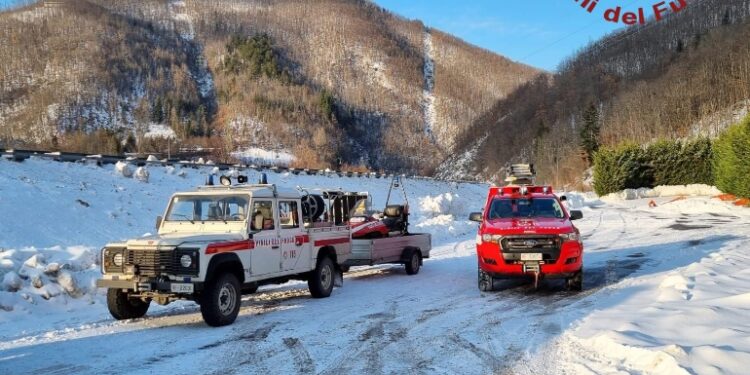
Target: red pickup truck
526, 231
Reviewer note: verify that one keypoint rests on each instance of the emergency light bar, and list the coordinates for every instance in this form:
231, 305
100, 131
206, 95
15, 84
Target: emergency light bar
524, 190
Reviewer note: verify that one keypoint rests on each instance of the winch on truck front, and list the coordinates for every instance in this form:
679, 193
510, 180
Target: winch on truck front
525, 230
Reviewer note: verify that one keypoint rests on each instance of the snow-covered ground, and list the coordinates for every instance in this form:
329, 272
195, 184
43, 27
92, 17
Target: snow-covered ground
666, 290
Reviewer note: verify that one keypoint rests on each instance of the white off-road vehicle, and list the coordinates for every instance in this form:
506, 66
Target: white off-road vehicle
217, 243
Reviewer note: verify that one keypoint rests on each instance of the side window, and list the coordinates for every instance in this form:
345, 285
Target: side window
262, 218
288, 215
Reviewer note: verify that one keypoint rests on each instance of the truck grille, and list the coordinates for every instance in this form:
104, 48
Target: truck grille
548, 245
152, 262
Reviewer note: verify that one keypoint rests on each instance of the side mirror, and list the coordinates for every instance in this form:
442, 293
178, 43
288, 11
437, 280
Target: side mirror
476, 216
576, 215
563, 198
159, 219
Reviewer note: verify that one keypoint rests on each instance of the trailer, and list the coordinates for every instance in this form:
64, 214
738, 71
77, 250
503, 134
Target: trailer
409, 250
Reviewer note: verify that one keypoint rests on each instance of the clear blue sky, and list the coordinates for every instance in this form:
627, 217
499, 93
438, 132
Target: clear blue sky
540, 33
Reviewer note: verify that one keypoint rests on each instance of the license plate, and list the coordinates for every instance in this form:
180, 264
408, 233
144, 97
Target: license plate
182, 288
531, 256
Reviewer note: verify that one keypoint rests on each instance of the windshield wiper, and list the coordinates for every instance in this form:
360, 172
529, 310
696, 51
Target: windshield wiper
186, 217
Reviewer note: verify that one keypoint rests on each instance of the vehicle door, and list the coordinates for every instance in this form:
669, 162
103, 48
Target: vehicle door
266, 255
292, 235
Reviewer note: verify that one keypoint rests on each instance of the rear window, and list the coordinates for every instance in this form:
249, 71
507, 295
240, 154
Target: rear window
507, 208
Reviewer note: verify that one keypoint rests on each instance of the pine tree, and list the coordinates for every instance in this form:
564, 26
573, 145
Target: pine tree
590, 132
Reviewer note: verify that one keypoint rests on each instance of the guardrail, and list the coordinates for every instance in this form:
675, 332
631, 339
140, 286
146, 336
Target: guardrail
19, 155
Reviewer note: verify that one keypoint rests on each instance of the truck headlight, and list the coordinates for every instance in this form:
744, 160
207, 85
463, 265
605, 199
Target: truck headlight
186, 261
572, 236
492, 238
118, 259
112, 259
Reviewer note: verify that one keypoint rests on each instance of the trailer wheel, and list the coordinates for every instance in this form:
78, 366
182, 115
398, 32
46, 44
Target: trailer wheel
413, 262
220, 301
575, 283
121, 306
485, 282
320, 282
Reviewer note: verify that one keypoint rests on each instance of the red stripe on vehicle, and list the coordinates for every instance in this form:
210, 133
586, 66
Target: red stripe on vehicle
300, 240
332, 241
225, 247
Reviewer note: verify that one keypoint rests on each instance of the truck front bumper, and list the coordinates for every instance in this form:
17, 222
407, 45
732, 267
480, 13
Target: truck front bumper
569, 262
146, 285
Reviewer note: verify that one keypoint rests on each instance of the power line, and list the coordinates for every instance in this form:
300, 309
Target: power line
568, 36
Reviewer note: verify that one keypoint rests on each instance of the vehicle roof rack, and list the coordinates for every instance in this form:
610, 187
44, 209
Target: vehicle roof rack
521, 174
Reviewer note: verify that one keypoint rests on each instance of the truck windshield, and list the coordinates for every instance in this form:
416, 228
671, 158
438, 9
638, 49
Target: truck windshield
506, 208
207, 208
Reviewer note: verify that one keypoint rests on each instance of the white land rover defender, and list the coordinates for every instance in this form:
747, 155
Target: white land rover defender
220, 242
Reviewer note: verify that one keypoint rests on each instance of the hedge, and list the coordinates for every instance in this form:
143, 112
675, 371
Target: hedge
731, 160
666, 162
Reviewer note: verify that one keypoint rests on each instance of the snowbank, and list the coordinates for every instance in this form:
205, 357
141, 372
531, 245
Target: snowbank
30, 276
578, 200
665, 191
691, 320
444, 204
254, 155
159, 131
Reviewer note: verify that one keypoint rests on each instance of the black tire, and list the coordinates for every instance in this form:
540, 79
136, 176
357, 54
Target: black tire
413, 262
485, 282
575, 283
320, 282
220, 301
122, 307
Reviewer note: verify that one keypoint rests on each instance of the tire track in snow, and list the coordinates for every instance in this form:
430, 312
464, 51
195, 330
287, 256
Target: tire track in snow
302, 360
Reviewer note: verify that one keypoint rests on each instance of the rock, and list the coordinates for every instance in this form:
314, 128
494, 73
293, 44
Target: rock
52, 269
12, 282
83, 203
123, 169
141, 174
36, 281
51, 291
68, 283
37, 260
152, 158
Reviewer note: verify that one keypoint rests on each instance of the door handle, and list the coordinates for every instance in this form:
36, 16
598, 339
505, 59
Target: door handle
274, 247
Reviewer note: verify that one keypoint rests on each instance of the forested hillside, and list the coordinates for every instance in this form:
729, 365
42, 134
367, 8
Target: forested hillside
331, 81
683, 77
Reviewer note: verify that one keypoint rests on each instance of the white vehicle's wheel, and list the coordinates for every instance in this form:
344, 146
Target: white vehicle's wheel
220, 302
123, 307
321, 279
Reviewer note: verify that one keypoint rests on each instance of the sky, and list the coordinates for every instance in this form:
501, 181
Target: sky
540, 33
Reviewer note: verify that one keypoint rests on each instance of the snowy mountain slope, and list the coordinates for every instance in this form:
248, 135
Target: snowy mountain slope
356, 83
641, 266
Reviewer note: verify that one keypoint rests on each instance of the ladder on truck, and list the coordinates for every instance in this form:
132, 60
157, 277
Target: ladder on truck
521, 174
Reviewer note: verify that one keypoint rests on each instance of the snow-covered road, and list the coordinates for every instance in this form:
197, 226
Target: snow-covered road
383, 321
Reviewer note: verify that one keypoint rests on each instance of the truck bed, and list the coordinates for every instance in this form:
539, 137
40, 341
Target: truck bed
367, 252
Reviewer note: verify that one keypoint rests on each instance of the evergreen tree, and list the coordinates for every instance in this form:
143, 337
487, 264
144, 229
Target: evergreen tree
590, 132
